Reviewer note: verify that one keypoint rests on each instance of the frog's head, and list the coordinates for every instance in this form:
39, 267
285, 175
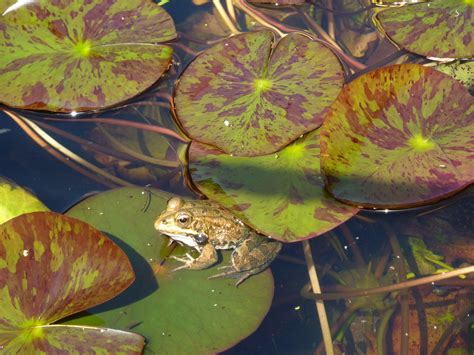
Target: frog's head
178, 223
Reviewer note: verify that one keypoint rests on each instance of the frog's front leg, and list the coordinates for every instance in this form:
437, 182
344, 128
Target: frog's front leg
207, 258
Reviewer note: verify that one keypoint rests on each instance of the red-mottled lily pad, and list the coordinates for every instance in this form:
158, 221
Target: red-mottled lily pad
14, 201
251, 96
178, 312
52, 266
397, 137
438, 28
75, 55
281, 195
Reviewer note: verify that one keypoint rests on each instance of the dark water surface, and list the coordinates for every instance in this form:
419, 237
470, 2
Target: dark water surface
292, 326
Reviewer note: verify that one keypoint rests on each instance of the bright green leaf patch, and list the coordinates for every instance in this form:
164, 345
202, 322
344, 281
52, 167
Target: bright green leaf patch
15, 201
251, 96
52, 266
437, 28
177, 312
281, 195
78, 56
397, 137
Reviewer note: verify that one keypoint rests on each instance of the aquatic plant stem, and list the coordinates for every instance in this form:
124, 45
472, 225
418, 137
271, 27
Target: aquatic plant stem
328, 41
402, 274
119, 122
331, 22
43, 143
432, 279
104, 150
343, 319
231, 10
313, 277
382, 331
262, 19
352, 245
220, 9
141, 157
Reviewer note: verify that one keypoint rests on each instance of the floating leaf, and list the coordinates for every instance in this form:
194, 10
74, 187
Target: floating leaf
397, 137
250, 96
65, 56
15, 201
52, 266
438, 28
462, 71
271, 192
177, 311
278, 2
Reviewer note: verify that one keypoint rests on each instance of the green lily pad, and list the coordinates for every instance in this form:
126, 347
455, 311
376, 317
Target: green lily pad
462, 71
76, 56
177, 312
399, 136
251, 96
278, 2
15, 201
438, 28
52, 266
281, 195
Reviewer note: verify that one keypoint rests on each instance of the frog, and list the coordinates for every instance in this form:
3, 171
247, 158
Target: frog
206, 226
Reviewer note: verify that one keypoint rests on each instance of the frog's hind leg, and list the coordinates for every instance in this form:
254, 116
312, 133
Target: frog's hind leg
250, 258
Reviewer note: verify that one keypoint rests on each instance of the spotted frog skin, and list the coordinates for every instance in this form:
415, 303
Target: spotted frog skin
206, 227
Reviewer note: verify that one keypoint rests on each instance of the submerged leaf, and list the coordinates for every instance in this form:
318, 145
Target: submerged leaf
281, 195
399, 136
437, 28
52, 266
75, 56
250, 96
175, 311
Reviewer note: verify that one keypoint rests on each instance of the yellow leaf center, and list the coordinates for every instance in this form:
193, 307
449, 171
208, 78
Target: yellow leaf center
83, 48
421, 144
262, 85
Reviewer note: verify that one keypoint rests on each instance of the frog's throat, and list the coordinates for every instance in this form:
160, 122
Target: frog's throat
186, 239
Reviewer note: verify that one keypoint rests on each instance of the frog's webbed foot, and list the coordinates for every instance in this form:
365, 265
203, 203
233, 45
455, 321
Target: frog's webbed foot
207, 258
187, 262
231, 272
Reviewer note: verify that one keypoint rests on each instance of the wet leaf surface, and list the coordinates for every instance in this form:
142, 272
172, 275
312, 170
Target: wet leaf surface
397, 137
278, 2
55, 339
249, 99
66, 56
52, 266
437, 28
15, 201
177, 311
281, 195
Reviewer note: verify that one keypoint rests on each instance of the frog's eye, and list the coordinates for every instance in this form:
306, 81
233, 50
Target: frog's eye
183, 219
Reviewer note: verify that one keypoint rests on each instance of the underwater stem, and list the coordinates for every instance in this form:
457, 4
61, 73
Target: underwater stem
323, 320
50, 145
402, 274
331, 23
263, 19
231, 10
229, 23
99, 148
306, 293
359, 259
382, 331
119, 122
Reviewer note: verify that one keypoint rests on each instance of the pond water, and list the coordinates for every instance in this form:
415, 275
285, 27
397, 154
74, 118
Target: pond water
365, 249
